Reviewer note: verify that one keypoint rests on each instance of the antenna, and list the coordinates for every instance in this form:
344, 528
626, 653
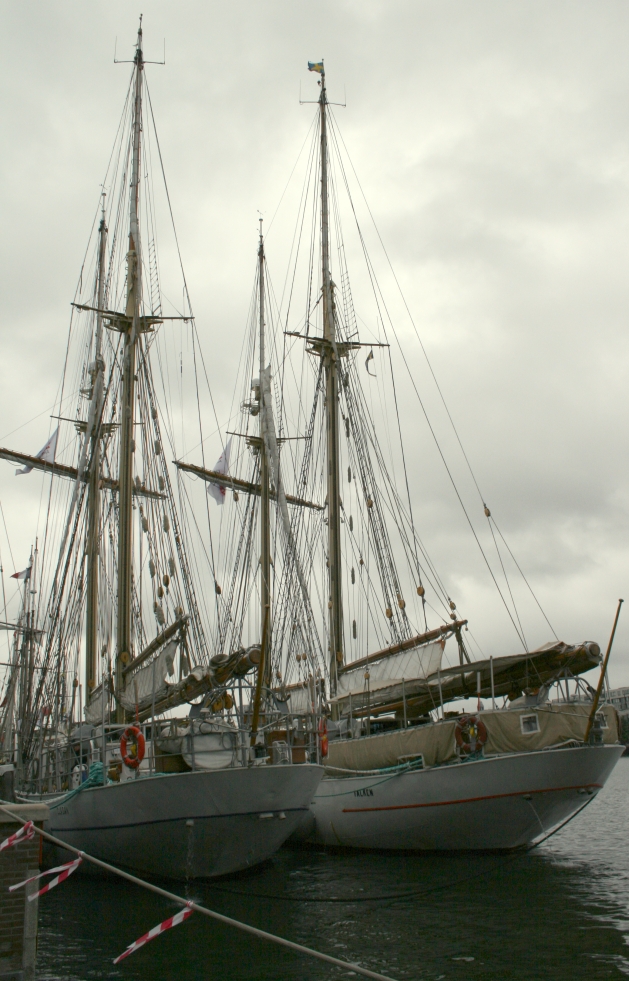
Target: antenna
131, 61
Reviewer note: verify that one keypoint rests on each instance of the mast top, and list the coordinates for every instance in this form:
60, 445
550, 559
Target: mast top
318, 66
139, 57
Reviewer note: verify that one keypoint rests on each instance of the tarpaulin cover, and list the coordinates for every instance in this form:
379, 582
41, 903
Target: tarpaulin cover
436, 742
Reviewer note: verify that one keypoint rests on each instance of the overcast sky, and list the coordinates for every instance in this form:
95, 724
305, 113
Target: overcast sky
491, 140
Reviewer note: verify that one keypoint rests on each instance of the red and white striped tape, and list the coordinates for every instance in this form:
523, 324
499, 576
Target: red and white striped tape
172, 921
65, 871
26, 832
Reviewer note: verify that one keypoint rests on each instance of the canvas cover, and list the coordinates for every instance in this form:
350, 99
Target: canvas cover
436, 743
389, 670
150, 680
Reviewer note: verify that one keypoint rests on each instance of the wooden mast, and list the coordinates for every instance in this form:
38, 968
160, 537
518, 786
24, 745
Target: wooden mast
125, 474
265, 496
93, 507
330, 358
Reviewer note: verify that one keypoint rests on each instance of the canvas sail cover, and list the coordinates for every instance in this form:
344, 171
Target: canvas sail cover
150, 680
390, 669
557, 724
96, 709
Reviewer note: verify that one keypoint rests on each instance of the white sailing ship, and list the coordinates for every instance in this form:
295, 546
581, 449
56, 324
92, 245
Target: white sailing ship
113, 607
402, 771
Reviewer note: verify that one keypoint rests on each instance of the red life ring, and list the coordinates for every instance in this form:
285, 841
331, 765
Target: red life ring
323, 737
470, 733
134, 757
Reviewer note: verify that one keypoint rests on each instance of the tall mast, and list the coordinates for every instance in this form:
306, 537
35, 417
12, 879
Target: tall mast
330, 356
93, 509
131, 332
265, 507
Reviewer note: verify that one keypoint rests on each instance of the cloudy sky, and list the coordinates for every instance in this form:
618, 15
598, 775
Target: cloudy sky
491, 141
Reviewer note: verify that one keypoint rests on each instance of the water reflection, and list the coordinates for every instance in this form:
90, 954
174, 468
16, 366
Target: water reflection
558, 912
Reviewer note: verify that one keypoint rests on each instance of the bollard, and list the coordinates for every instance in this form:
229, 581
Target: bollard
18, 916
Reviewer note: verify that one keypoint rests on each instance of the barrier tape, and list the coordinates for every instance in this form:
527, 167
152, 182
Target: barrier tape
65, 871
26, 831
172, 921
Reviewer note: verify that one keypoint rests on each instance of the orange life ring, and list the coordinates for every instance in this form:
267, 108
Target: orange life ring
323, 737
134, 757
470, 733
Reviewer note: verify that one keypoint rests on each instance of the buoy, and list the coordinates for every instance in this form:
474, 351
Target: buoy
369, 502
389, 612
470, 733
420, 591
323, 737
132, 747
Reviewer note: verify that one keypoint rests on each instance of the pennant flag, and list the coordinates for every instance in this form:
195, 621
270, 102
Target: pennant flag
368, 359
172, 921
315, 66
47, 453
25, 574
65, 871
215, 490
26, 832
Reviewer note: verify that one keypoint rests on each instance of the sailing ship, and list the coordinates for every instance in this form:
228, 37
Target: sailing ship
112, 606
355, 673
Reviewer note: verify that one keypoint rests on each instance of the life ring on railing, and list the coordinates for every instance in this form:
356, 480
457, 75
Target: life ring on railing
470, 733
135, 755
323, 737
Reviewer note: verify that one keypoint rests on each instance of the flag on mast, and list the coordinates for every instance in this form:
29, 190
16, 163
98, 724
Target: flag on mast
47, 453
25, 574
315, 66
216, 490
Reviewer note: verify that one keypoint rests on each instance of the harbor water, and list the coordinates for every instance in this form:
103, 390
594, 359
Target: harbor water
560, 912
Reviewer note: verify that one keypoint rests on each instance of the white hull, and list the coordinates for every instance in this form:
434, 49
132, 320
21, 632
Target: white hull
189, 825
503, 802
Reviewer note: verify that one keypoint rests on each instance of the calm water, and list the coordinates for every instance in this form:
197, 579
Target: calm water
559, 912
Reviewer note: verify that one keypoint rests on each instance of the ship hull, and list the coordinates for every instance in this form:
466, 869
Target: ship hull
500, 803
189, 825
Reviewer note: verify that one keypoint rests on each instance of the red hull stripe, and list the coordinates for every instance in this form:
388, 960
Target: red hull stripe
467, 800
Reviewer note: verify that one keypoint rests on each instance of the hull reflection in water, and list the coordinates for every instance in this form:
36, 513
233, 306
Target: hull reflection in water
189, 825
499, 803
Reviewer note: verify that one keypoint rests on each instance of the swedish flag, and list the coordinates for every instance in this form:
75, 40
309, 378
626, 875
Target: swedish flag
315, 66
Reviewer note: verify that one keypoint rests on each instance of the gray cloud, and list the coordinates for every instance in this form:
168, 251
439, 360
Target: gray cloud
491, 142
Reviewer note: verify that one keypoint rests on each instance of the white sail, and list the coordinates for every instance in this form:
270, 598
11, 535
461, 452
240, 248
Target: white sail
392, 669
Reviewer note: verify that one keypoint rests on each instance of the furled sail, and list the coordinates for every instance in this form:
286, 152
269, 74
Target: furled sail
410, 665
149, 683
